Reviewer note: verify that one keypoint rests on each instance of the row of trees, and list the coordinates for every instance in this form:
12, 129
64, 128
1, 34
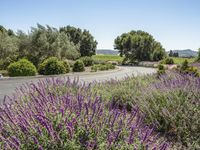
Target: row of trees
43, 42
140, 46
173, 54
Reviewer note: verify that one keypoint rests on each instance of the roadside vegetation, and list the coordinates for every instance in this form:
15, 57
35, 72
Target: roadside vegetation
47, 48
107, 58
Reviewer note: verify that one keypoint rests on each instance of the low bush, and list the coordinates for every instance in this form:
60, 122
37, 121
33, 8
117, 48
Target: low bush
52, 66
22, 67
66, 65
168, 61
79, 66
4, 73
88, 61
161, 70
186, 69
102, 67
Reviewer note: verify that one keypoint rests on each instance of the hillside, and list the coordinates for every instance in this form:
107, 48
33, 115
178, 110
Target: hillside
186, 53
107, 52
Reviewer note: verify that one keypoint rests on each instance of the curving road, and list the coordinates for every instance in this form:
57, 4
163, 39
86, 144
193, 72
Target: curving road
7, 86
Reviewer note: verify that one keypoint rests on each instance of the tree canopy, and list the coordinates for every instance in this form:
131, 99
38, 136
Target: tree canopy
139, 45
42, 42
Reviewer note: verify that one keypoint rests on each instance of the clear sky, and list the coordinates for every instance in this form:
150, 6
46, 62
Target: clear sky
174, 23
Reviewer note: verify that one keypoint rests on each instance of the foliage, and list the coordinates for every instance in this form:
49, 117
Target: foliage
184, 65
79, 66
8, 48
173, 54
22, 67
169, 61
157, 55
171, 101
161, 70
4, 72
83, 39
66, 65
66, 116
102, 67
43, 42
198, 57
106, 58
186, 69
75, 34
52, 66
139, 45
88, 61
88, 44
179, 60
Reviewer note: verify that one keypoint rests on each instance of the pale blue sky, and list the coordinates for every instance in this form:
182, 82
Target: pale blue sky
175, 23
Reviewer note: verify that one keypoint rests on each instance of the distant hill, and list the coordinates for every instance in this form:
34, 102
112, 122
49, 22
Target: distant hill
107, 52
185, 53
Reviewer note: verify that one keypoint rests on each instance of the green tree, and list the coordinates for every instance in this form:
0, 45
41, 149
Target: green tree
82, 39
139, 45
171, 53
75, 34
8, 48
67, 49
88, 44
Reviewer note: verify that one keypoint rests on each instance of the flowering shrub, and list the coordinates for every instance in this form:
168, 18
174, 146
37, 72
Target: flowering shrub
64, 114
172, 102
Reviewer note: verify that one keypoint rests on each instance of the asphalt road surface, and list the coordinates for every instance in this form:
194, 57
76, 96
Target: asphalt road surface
7, 86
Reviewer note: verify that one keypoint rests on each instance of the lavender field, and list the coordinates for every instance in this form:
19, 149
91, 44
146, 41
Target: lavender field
134, 113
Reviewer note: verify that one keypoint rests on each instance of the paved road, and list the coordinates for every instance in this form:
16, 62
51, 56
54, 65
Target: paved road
8, 86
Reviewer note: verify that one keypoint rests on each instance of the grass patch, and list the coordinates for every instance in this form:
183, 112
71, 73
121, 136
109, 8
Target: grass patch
102, 67
179, 60
108, 58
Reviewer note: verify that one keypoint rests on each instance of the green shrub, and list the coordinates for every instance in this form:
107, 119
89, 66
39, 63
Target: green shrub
4, 73
52, 66
72, 54
193, 71
184, 65
99, 62
22, 67
158, 55
94, 68
169, 61
79, 66
67, 66
161, 70
88, 61
102, 67
186, 69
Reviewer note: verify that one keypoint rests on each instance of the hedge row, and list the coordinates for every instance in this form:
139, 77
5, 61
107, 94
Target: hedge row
49, 66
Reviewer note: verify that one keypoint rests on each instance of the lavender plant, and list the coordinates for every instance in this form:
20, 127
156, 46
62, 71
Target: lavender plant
172, 102
65, 114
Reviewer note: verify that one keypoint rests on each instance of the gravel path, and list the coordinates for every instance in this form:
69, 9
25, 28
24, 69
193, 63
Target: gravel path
7, 86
